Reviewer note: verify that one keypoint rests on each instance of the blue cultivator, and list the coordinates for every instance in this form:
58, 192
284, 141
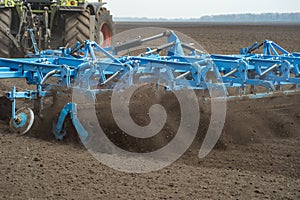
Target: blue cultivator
254, 75
273, 69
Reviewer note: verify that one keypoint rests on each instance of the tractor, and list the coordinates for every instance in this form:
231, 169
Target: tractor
51, 24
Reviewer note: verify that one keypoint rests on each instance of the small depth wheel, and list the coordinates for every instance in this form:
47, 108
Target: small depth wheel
23, 122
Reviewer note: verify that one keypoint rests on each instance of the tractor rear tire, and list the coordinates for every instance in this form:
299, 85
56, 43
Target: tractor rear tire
57, 32
77, 27
5, 25
104, 29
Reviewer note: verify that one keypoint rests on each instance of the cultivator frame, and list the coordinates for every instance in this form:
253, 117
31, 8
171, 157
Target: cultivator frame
273, 70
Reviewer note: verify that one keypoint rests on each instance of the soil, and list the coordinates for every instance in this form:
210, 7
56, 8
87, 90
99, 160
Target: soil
257, 156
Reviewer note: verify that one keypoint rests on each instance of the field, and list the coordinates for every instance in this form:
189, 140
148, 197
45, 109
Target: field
257, 157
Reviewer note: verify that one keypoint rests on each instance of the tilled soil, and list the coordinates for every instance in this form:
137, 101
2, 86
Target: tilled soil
258, 155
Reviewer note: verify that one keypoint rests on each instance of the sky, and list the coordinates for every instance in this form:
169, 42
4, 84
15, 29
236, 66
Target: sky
196, 8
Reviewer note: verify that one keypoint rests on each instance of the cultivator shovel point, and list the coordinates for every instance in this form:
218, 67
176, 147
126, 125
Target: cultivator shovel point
254, 75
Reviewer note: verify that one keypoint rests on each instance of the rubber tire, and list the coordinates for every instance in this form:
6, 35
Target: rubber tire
103, 18
57, 31
77, 27
5, 24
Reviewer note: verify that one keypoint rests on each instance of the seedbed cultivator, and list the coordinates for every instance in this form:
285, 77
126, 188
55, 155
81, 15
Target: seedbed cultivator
253, 75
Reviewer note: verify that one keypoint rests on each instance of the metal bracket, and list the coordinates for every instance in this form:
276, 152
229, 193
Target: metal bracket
92, 27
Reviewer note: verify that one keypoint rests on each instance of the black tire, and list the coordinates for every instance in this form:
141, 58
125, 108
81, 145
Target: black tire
5, 25
57, 32
77, 27
104, 29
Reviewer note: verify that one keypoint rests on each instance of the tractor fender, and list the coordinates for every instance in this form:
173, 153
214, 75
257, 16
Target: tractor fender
94, 7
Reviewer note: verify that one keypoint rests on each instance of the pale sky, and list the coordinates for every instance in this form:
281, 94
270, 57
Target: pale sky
196, 8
